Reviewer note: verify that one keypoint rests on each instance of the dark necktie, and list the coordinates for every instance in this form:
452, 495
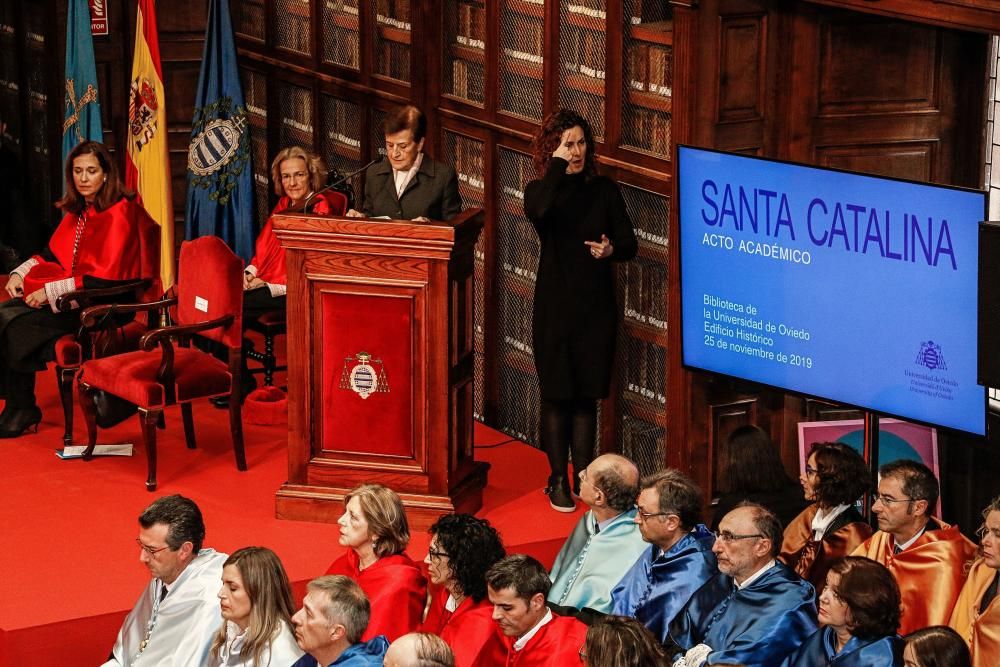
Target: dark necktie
897, 550
597, 527
163, 591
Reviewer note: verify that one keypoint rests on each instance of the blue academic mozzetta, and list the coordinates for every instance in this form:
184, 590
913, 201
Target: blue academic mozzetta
844, 286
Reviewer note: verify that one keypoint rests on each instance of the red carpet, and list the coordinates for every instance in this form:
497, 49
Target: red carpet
70, 569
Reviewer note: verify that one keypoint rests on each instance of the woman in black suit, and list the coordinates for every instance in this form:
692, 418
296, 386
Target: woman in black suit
409, 185
583, 227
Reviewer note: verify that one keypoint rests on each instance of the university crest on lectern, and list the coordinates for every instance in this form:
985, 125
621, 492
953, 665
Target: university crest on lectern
362, 378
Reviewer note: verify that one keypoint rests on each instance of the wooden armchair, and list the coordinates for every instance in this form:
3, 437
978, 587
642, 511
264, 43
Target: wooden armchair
208, 302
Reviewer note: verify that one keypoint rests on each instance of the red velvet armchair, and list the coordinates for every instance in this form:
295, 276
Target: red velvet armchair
104, 336
208, 302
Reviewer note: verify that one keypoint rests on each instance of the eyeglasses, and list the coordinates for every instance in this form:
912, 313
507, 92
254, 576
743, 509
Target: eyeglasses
436, 555
889, 500
583, 653
811, 471
150, 550
728, 537
645, 516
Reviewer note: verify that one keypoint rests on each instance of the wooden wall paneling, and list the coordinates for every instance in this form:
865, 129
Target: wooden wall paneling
689, 69
971, 15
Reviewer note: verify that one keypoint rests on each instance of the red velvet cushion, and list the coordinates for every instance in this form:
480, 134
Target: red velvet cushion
132, 376
209, 286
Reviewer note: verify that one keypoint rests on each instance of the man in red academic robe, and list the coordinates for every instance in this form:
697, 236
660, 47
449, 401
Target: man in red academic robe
534, 636
928, 558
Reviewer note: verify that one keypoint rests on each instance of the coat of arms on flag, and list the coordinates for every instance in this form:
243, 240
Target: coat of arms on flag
220, 148
142, 106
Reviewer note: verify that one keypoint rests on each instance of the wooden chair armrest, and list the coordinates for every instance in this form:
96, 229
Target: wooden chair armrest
92, 315
150, 339
85, 296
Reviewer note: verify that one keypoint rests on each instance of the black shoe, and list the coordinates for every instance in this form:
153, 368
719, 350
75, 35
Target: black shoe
558, 492
15, 421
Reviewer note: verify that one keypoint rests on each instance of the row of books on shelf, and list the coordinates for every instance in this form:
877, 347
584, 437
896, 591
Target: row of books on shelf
591, 8
517, 408
647, 129
343, 6
469, 161
645, 292
515, 322
467, 80
294, 33
644, 367
471, 28
394, 61
517, 252
393, 12
522, 96
583, 52
650, 68
642, 442
524, 41
344, 47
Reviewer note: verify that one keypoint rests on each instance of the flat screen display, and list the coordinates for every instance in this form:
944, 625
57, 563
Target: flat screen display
843, 286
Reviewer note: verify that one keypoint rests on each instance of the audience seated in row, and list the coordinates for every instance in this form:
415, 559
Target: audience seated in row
858, 615
834, 480
376, 532
679, 559
755, 611
331, 623
533, 635
462, 549
696, 598
927, 557
605, 542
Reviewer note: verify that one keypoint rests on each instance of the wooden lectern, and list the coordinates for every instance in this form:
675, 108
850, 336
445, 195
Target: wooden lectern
380, 364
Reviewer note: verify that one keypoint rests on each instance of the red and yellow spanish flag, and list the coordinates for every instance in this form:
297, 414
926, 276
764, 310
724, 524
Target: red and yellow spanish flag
147, 167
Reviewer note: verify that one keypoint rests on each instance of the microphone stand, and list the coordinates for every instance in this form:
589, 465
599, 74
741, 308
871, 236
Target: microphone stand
343, 179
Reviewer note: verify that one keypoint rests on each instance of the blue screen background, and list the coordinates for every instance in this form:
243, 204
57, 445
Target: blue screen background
896, 337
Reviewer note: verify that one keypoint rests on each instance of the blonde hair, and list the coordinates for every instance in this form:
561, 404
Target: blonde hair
383, 510
270, 594
314, 164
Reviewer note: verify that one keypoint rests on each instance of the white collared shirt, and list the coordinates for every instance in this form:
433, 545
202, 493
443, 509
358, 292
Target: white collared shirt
824, 518
403, 178
452, 604
755, 576
908, 543
526, 637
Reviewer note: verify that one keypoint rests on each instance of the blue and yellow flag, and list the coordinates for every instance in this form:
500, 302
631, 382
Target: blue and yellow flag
220, 200
82, 119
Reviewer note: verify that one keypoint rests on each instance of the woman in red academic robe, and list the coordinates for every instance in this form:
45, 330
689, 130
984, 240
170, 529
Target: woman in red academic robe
462, 549
97, 244
835, 477
297, 175
375, 530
